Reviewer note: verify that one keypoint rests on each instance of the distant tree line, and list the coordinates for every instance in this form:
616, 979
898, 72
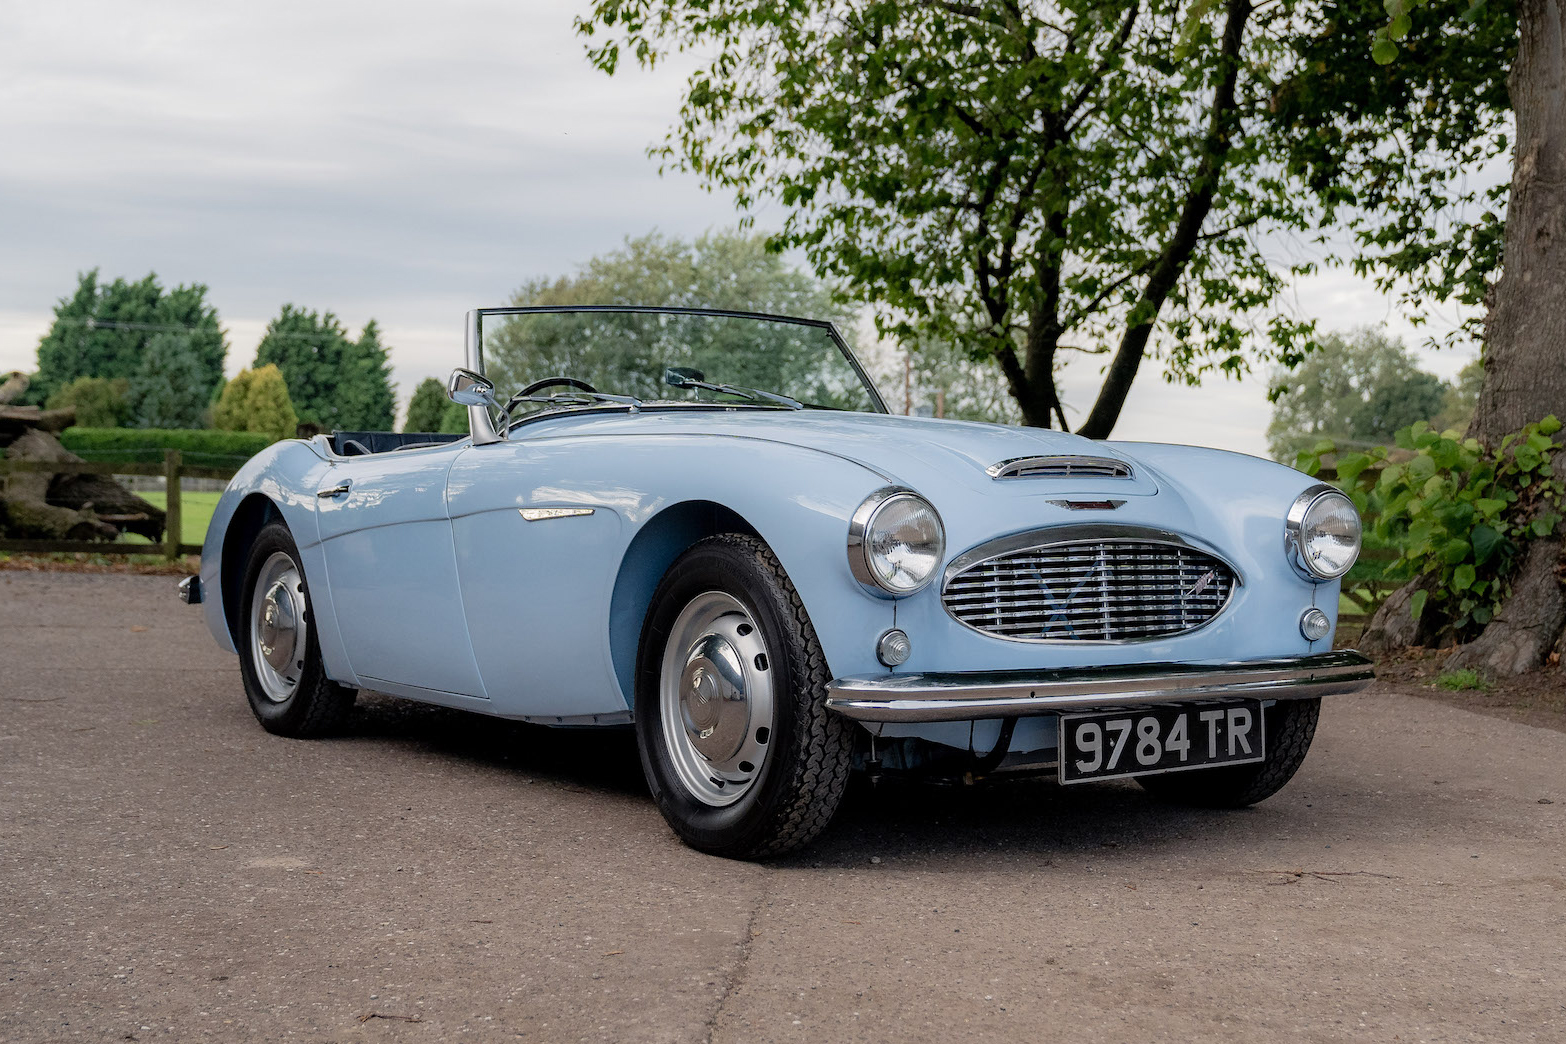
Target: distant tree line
1359, 389
132, 354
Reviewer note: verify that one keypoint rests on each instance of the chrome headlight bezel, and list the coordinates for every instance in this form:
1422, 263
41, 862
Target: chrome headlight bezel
861, 532
1296, 538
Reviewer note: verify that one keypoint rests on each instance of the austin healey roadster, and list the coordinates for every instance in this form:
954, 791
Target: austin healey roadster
705, 525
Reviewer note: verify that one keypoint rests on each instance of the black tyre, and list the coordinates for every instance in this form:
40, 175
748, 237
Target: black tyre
279, 657
743, 758
1291, 725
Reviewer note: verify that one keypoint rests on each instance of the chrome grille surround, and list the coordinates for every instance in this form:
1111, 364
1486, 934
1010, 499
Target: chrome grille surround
1093, 583
1060, 467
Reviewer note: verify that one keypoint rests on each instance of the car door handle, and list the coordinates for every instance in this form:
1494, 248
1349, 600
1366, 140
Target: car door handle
334, 491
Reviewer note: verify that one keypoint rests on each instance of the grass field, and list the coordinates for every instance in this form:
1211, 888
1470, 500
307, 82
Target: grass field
196, 514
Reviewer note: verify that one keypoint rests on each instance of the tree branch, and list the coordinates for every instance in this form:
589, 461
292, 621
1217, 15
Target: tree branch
1187, 233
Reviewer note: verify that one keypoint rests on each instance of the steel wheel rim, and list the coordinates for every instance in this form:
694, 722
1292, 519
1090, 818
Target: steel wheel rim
715, 698
279, 629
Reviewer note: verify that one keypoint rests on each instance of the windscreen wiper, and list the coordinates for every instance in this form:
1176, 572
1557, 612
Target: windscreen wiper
575, 398
687, 377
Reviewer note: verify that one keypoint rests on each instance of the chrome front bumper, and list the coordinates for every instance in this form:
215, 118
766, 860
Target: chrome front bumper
1007, 694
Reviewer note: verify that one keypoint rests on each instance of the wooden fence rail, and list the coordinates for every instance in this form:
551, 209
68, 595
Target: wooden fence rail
173, 468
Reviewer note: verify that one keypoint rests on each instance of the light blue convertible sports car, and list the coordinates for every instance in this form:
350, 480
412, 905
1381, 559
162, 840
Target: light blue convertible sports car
705, 524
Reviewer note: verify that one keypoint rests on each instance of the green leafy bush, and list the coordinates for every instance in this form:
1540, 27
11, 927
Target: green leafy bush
1456, 512
256, 401
101, 402
141, 445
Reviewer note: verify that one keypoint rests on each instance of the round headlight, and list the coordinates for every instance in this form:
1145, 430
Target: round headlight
1323, 533
895, 542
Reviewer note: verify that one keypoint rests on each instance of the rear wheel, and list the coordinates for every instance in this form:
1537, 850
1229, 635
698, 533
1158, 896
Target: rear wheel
1291, 725
741, 754
279, 657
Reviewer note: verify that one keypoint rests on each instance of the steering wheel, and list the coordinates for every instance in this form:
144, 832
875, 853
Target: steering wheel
549, 382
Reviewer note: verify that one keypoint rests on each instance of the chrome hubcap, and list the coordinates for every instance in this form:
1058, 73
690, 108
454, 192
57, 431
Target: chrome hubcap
278, 631
715, 698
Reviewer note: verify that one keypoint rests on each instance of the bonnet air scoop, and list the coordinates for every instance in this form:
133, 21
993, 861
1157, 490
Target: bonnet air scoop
1060, 466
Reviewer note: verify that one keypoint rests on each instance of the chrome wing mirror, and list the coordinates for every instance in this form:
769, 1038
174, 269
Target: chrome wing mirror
468, 388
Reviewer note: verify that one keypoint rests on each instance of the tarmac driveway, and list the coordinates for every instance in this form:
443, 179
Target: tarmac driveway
168, 871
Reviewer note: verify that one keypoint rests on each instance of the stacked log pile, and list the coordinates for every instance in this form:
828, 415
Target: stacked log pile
44, 505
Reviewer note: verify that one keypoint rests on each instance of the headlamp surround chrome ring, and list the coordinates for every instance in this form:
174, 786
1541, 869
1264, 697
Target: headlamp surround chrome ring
1296, 539
861, 532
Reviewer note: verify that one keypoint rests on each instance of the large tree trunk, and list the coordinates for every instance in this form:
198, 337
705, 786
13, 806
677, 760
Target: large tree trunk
1525, 331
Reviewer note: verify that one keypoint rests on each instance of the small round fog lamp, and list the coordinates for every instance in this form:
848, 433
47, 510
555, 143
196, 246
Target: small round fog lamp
893, 648
1314, 625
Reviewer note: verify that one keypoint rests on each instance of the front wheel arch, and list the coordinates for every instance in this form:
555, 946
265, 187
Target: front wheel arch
254, 514
664, 537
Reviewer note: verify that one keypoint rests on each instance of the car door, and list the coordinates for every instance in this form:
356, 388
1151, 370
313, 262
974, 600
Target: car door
390, 562
538, 543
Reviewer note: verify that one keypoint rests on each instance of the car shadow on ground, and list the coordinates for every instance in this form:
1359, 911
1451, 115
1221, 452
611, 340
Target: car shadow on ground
596, 759
905, 818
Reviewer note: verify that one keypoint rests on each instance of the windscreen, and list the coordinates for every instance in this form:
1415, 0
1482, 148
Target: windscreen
633, 353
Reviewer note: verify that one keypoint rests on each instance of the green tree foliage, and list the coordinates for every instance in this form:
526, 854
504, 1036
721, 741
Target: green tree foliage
943, 380
1462, 395
333, 380
427, 406
257, 401
430, 410
1457, 512
1358, 390
1076, 174
100, 402
1389, 152
104, 330
369, 396
455, 420
168, 388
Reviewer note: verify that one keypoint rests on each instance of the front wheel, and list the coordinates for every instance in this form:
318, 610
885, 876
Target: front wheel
1290, 724
279, 656
740, 752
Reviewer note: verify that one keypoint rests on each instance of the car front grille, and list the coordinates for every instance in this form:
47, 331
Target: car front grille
1091, 590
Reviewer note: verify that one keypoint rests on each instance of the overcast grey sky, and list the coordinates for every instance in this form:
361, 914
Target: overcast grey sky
391, 160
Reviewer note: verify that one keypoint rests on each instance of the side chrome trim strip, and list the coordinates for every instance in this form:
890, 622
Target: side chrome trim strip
1004, 694
541, 514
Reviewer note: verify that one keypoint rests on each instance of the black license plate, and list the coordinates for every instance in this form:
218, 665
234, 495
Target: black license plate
1115, 744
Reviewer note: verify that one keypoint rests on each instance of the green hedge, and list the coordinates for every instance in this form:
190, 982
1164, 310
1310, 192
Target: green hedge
134, 445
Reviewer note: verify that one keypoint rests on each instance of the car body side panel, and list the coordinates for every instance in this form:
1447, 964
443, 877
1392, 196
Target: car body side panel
286, 475
538, 594
393, 572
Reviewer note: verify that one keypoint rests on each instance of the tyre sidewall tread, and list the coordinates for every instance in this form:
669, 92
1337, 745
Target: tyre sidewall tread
1291, 726
806, 769
319, 706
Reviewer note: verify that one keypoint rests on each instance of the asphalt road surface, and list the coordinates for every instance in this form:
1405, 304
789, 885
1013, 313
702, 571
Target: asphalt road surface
168, 871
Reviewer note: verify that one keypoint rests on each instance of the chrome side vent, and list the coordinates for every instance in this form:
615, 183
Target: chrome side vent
1060, 467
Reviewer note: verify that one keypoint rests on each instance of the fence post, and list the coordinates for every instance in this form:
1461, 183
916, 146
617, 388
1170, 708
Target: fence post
172, 522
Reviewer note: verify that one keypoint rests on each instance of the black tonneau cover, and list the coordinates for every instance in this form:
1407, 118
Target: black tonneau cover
355, 443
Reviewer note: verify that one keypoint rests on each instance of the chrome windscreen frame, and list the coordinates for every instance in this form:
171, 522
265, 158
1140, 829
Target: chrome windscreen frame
482, 425
1077, 534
